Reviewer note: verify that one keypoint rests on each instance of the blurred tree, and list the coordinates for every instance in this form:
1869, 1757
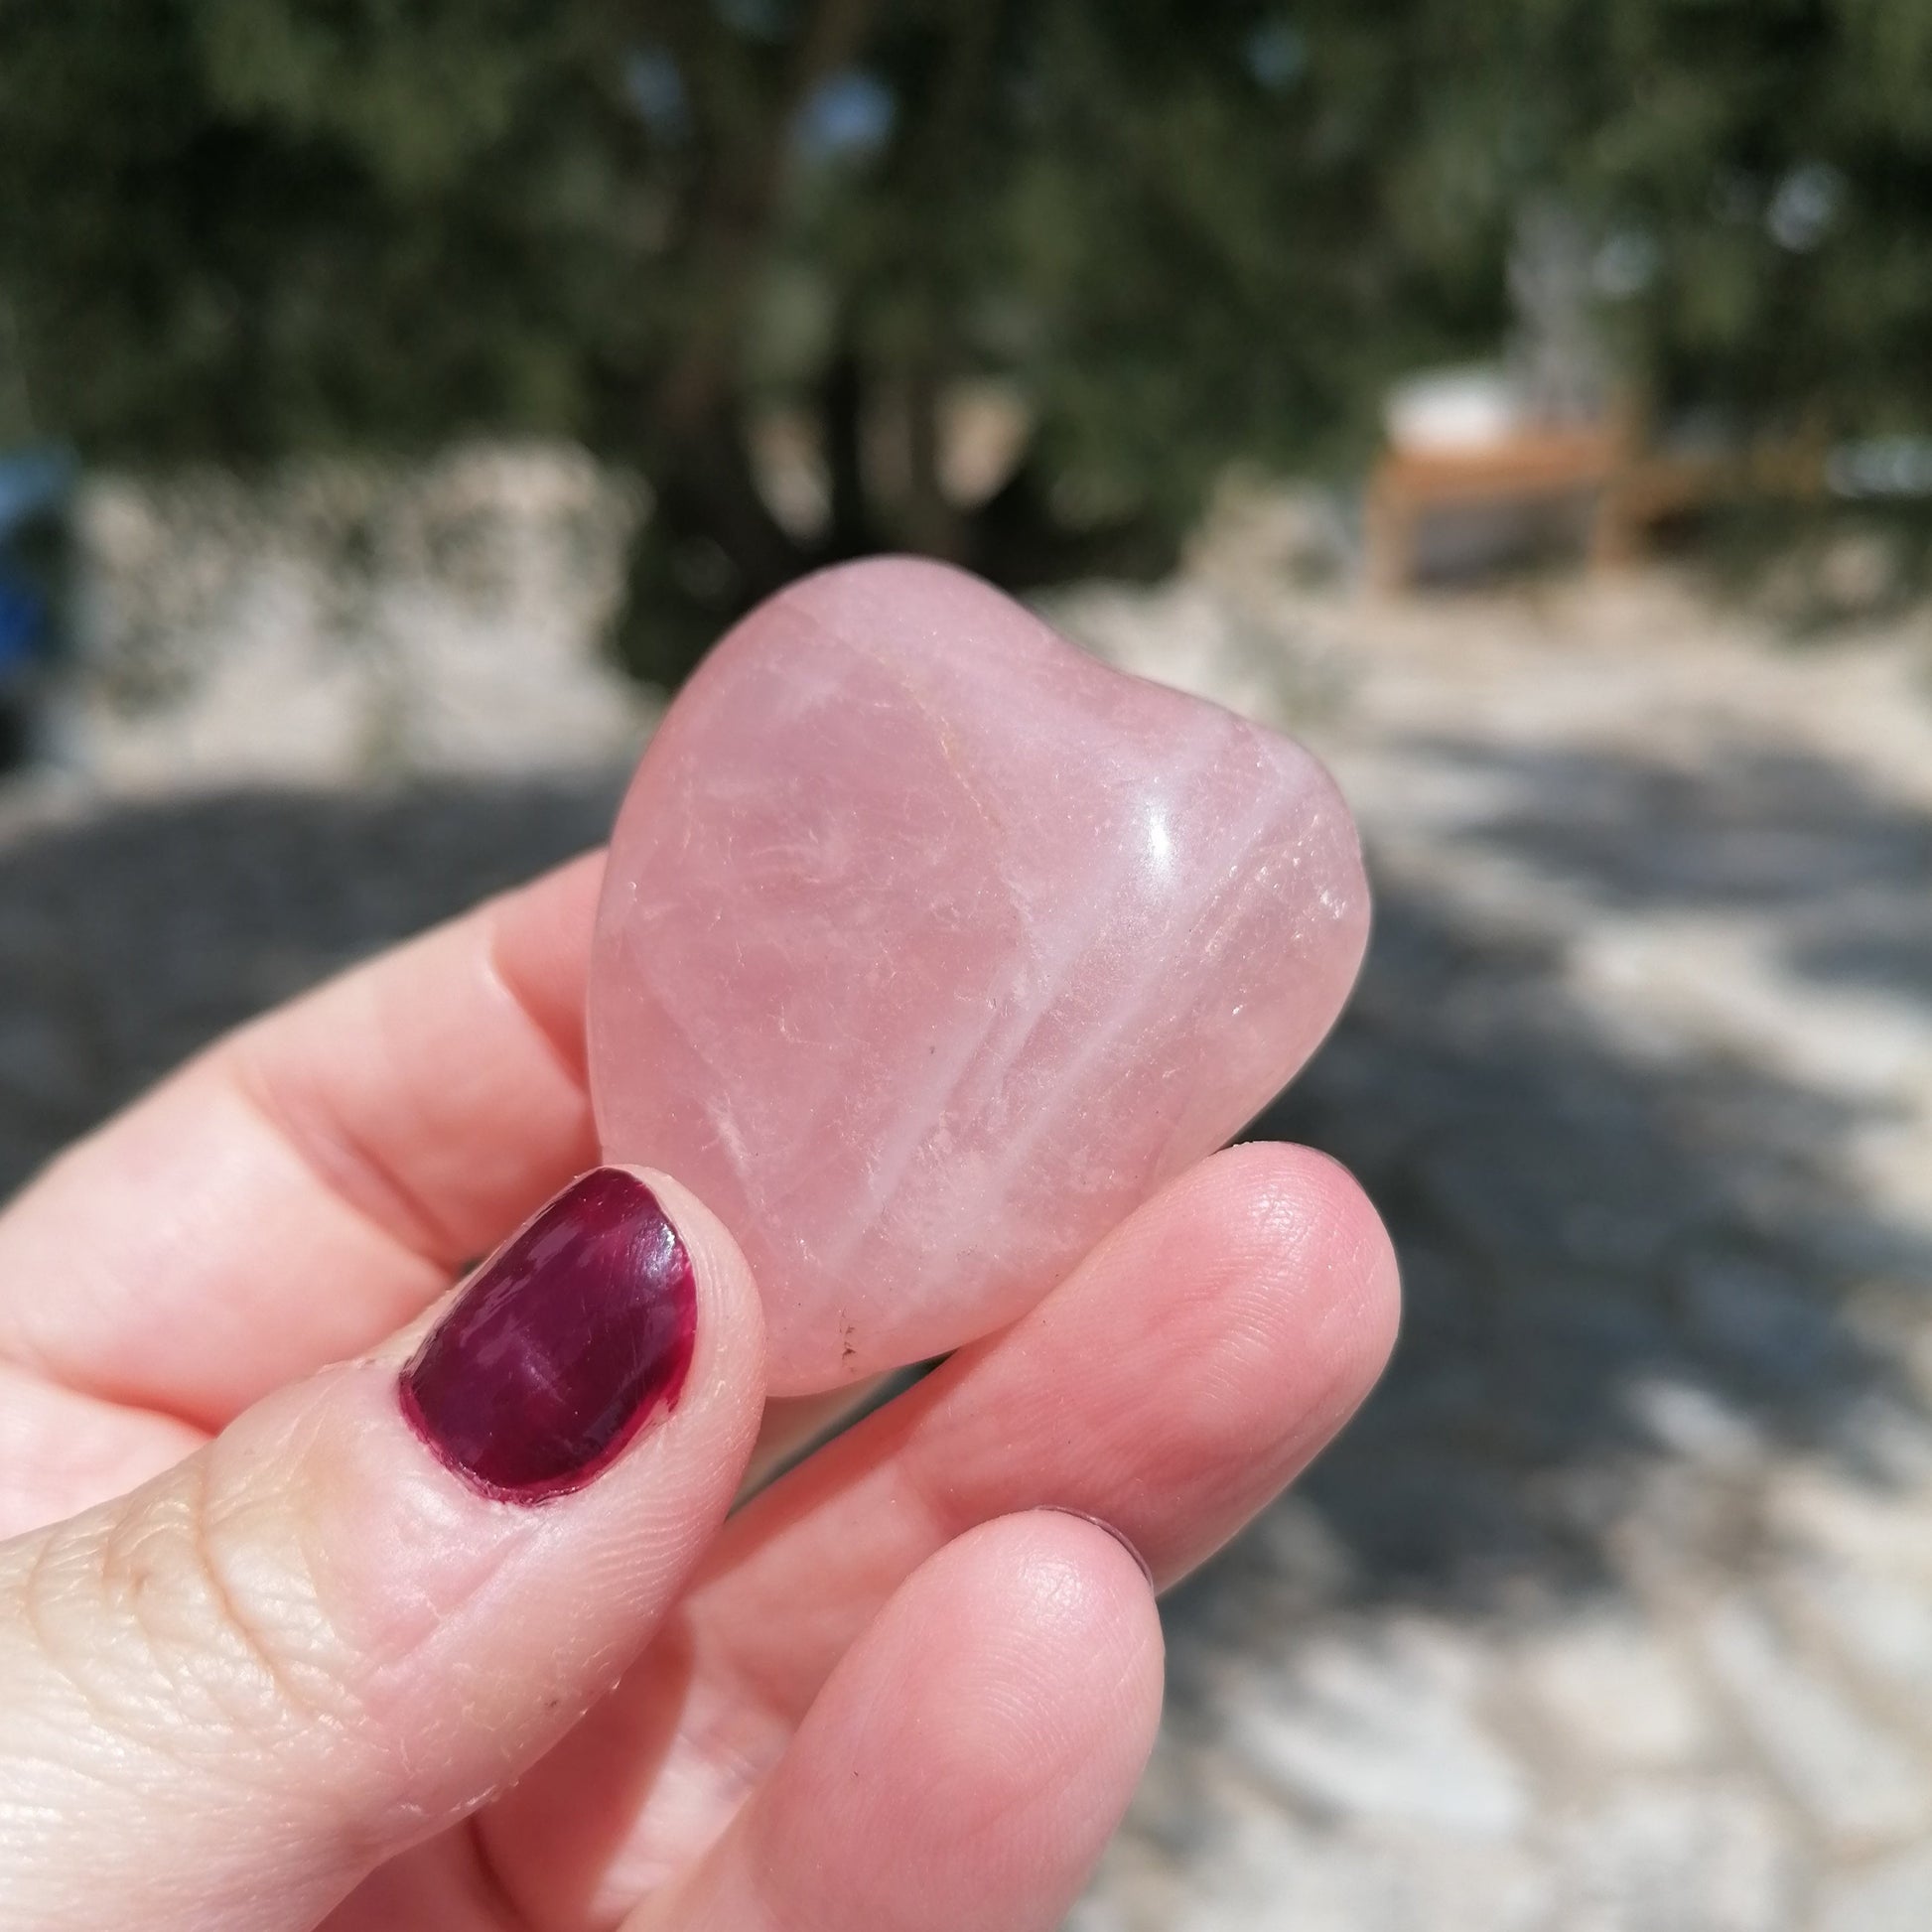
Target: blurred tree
1758, 174
236, 227
239, 227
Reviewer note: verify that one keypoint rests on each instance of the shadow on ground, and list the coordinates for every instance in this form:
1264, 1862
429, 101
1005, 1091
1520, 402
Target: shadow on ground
1612, 1263
131, 937
1846, 869
1578, 1230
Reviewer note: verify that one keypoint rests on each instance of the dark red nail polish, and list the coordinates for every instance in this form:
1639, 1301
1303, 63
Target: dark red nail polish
571, 1336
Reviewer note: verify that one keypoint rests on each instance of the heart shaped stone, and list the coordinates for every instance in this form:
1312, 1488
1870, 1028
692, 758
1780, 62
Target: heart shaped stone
931, 946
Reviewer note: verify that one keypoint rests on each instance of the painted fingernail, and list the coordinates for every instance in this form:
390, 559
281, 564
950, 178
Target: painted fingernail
565, 1343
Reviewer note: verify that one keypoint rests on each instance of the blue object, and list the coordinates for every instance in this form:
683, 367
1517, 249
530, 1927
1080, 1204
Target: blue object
22, 626
35, 487
849, 113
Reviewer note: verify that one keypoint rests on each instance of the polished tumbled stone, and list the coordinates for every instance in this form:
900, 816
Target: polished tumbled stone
930, 947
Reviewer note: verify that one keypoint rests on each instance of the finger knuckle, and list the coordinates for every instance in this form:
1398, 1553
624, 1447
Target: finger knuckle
221, 1619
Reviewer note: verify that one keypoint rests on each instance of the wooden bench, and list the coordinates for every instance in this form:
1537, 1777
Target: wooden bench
1627, 488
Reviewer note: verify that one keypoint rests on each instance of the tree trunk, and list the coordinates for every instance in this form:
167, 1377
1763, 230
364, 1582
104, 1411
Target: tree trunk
932, 525
842, 427
737, 219
1016, 539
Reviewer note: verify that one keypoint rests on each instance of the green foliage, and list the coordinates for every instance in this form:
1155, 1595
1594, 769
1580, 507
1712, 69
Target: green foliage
1181, 233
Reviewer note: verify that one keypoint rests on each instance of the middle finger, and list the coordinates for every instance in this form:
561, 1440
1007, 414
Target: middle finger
1185, 1371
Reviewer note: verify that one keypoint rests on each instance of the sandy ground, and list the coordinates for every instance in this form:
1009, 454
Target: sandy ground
1615, 1608
1614, 1611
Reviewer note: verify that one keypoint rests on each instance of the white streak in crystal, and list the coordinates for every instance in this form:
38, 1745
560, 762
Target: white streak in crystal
1154, 988
981, 950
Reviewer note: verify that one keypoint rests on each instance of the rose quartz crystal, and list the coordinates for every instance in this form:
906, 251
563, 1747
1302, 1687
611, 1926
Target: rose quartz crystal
931, 946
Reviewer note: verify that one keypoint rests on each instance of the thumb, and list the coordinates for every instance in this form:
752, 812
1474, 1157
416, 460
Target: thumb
381, 1593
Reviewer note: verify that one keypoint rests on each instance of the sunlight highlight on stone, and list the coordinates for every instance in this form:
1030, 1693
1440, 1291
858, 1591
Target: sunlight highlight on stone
931, 946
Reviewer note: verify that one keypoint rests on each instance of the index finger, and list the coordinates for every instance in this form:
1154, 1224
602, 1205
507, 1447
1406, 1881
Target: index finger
311, 1181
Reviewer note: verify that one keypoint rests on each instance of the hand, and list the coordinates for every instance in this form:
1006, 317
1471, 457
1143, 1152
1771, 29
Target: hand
269, 1657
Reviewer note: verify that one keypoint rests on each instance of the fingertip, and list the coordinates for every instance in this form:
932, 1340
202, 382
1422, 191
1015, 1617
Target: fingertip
1058, 1653
731, 1343
1097, 1622
989, 1727
1088, 1593
1360, 1257
1297, 1221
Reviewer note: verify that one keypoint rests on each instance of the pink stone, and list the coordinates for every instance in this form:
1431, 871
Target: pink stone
931, 946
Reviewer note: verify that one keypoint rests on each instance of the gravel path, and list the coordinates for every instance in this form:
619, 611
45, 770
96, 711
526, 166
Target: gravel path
1614, 1611
1615, 1608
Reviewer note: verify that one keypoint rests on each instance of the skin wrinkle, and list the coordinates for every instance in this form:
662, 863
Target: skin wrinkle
1247, 1341
397, 1662
143, 1589
567, 1057
926, 1518
27, 1351
739, 1739
65, 1773
191, 1534
341, 1162
1236, 1352
248, 1078
328, 1147
494, 1898
383, 1205
138, 1741
56, 1484
33, 1595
